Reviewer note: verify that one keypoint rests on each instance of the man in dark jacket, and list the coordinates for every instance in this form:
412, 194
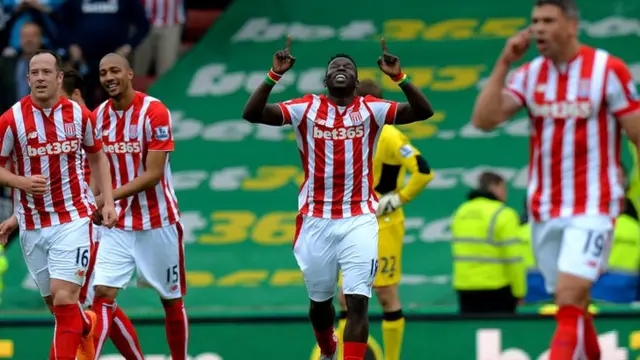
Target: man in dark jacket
94, 28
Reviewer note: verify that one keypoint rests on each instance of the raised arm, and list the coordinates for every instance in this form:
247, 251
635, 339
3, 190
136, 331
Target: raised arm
257, 110
496, 104
417, 106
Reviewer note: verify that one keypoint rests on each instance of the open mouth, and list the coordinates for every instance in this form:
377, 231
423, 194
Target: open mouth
41, 87
340, 77
112, 86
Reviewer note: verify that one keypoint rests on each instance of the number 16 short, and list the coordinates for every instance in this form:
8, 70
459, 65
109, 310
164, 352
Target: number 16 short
59, 252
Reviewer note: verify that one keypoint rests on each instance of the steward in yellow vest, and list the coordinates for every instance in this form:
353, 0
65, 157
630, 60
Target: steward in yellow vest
488, 266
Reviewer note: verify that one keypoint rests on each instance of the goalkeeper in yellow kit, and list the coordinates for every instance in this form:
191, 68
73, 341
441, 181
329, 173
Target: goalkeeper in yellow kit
394, 157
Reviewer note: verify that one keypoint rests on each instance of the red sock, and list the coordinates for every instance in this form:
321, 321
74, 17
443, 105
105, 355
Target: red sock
591, 339
176, 325
326, 341
354, 350
124, 336
104, 311
569, 333
68, 331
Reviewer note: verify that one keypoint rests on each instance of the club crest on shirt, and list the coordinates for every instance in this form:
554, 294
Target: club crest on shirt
133, 131
70, 129
584, 87
356, 118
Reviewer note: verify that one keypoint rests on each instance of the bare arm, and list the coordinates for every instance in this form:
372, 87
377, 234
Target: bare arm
493, 105
416, 108
155, 165
257, 111
100, 171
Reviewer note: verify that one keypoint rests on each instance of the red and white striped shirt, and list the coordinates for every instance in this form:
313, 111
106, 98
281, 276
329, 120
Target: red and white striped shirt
165, 12
49, 142
337, 145
575, 137
128, 136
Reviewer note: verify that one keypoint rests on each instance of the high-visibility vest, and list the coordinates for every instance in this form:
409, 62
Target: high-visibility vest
487, 253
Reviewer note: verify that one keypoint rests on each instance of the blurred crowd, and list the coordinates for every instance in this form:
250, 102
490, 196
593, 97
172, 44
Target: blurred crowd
82, 31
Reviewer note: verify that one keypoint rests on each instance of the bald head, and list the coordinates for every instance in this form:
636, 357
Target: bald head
115, 58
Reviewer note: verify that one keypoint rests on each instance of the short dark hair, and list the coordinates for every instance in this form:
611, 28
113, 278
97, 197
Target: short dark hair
368, 87
489, 178
55, 55
568, 7
345, 56
72, 81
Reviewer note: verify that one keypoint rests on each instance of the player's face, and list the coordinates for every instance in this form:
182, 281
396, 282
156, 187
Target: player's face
115, 77
552, 29
44, 77
341, 73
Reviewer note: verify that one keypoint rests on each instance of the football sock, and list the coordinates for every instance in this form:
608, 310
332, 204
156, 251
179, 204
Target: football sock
354, 350
569, 333
177, 328
124, 336
392, 334
104, 311
326, 341
591, 338
68, 331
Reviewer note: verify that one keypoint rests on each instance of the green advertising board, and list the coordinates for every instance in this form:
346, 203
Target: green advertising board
237, 182
510, 339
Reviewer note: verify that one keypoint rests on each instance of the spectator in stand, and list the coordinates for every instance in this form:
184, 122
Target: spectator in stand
94, 28
162, 45
36, 11
14, 65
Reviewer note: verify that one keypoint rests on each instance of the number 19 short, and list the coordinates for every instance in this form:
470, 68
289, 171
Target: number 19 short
323, 247
156, 254
58, 252
577, 245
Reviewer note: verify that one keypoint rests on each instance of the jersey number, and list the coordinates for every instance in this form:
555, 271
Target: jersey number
595, 244
172, 274
82, 257
388, 265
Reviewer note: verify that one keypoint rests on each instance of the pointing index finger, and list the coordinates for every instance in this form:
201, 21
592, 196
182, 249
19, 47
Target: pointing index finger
288, 43
383, 43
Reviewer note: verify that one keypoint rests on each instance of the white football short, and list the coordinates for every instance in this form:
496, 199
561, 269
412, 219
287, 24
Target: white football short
60, 252
87, 292
323, 247
577, 245
157, 255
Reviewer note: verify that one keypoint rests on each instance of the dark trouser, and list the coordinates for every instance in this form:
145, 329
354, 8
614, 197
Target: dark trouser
487, 301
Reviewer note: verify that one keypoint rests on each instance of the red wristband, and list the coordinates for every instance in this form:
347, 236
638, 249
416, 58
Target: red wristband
397, 77
274, 75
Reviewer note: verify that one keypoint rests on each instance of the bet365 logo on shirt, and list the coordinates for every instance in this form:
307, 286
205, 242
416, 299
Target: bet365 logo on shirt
339, 133
55, 148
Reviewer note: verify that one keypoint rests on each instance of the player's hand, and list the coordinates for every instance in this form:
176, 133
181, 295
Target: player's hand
99, 201
6, 228
36, 184
109, 216
282, 59
389, 64
516, 46
388, 203
96, 217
